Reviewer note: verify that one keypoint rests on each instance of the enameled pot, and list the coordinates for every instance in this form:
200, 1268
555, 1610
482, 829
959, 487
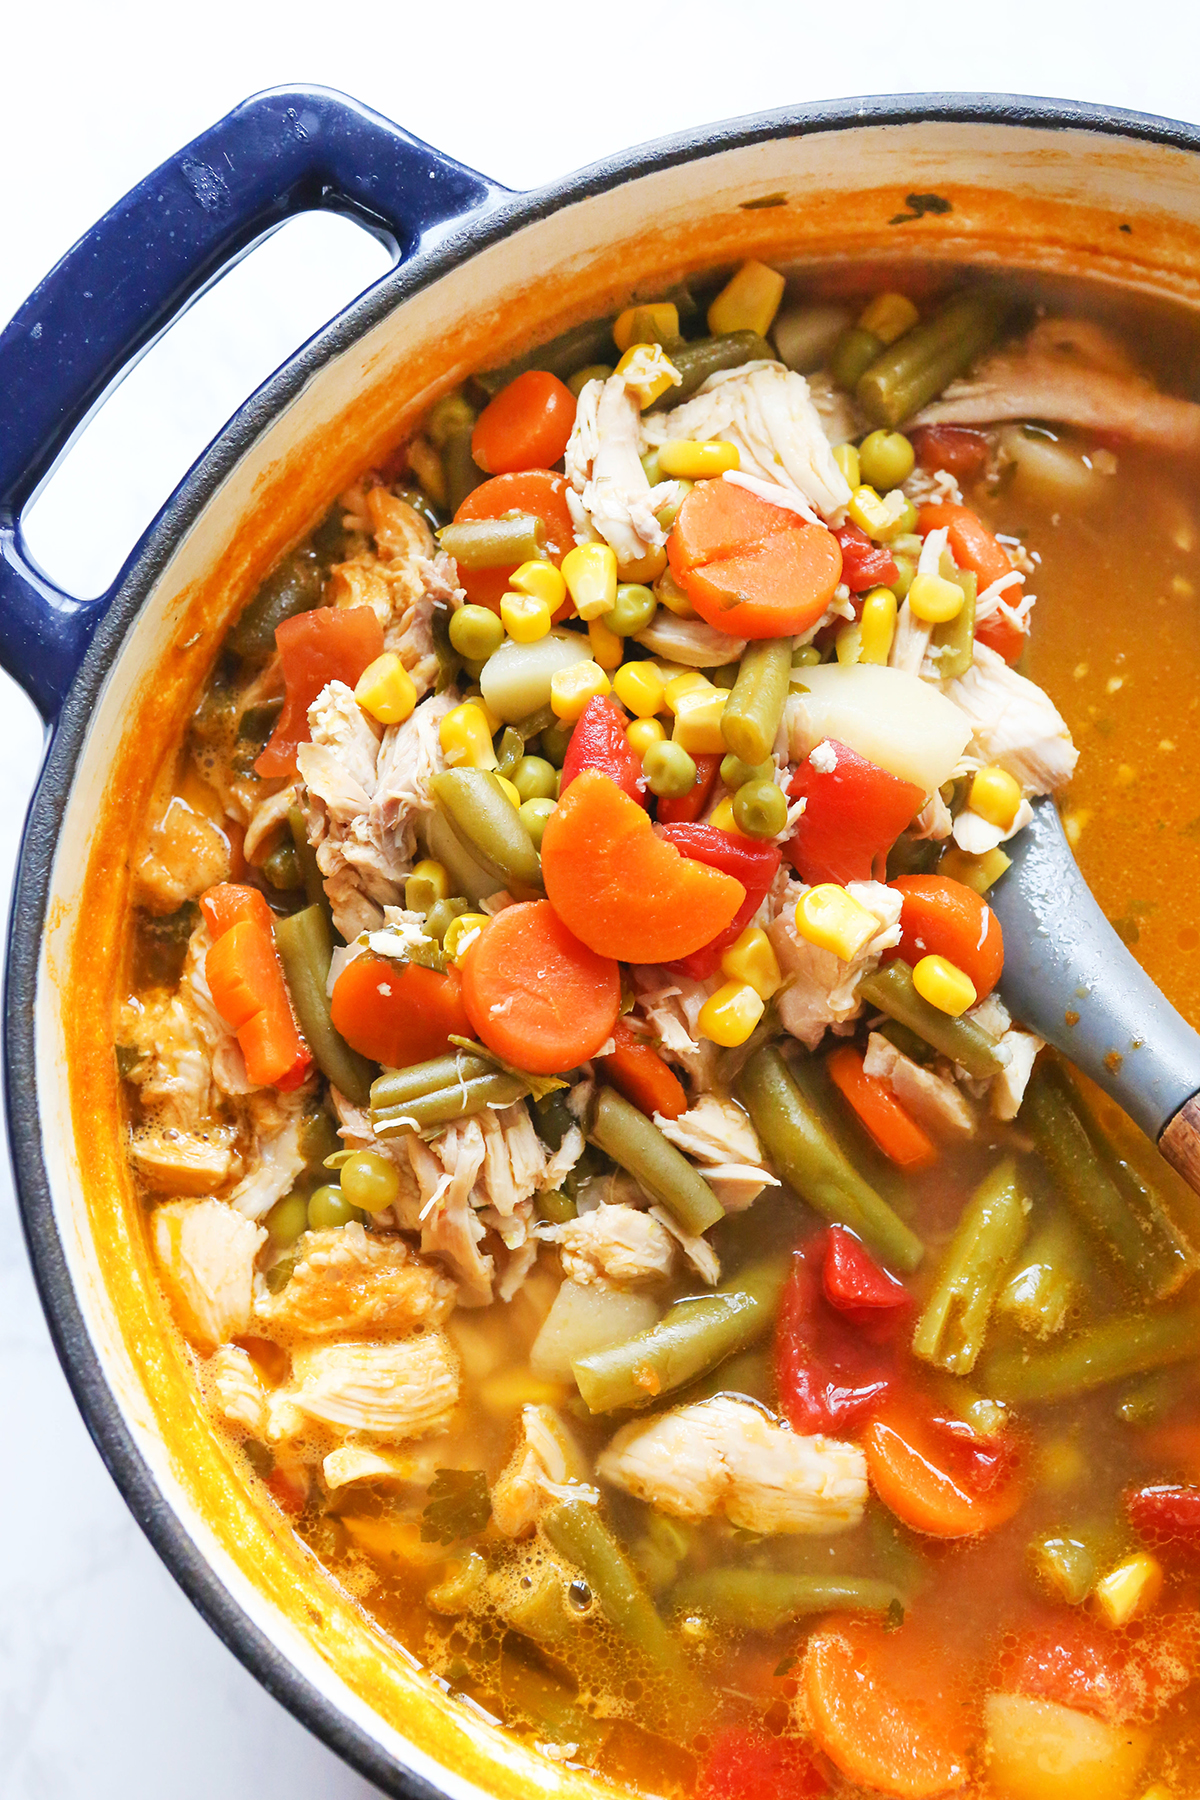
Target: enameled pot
1046, 186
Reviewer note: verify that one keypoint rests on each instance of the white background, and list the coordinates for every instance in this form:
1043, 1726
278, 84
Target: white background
110, 1687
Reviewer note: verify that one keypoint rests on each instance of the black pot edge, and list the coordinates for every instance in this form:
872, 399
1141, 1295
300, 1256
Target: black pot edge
77, 1354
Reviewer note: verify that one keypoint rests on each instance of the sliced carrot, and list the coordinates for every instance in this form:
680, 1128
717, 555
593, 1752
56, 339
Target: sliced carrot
622, 889
529, 491
398, 1013
941, 917
246, 981
526, 426
895, 1131
315, 648
637, 1070
910, 1467
888, 1710
537, 996
972, 544
229, 903
750, 568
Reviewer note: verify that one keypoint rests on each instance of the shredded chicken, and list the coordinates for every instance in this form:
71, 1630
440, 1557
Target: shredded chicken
726, 1457
547, 1465
669, 1005
820, 989
614, 1246
977, 835
206, 1252
1008, 1088
274, 1166
182, 853
392, 1391
350, 1281
690, 641
934, 1101
1014, 724
718, 1135
351, 1463
237, 1388
609, 496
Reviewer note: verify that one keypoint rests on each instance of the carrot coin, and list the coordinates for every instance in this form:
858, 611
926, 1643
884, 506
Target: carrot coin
537, 996
528, 491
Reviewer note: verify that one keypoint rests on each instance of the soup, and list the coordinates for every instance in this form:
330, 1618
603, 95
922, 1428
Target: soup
605, 1198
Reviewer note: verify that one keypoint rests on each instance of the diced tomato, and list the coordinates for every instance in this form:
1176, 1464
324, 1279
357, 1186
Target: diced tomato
599, 742
289, 1489
1167, 1516
854, 814
864, 564
853, 1282
748, 1765
315, 648
831, 1369
936, 1474
1075, 1660
755, 865
688, 808
955, 448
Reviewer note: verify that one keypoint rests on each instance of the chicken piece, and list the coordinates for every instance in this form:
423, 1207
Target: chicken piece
1014, 723
183, 1162
977, 835
349, 1280
1008, 1088
275, 1164
393, 1391
266, 821
183, 853
933, 1101
718, 1135
842, 419
352, 1463
206, 1252
767, 413
698, 1251
820, 989
670, 1007
237, 1388
1069, 372
514, 1161
609, 496
172, 1072
690, 641
547, 1465
725, 1457
934, 821
400, 582
614, 1246
409, 758
445, 1171
559, 1166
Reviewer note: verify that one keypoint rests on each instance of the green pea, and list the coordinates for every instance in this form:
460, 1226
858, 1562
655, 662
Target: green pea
760, 809
669, 770
281, 870
437, 919
649, 462
327, 1207
806, 657
287, 1219
555, 739
668, 512
533, 815
735, 773
635, 608
369, 1181
476, 632
581, 377
886, 459
534, 778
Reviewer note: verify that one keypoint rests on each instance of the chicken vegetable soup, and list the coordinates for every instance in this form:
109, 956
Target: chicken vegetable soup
606, 1199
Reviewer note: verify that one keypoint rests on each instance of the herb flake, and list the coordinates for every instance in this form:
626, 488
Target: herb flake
457, 1505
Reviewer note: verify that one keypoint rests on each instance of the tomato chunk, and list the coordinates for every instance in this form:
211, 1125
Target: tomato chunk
853, 815
864, 564
1167, 1516
599, 742
749, 1765
754, 865
832, 1367
315, 648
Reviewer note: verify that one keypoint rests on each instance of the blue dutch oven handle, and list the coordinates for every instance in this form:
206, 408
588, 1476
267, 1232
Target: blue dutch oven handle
281, 153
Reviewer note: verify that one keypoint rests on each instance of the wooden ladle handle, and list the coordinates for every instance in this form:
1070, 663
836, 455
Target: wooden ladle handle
1179, 1141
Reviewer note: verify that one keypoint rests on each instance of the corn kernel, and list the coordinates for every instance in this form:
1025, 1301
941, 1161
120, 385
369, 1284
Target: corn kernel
878, 625
511, 791
572, 688
639, 688
641, 733
751, 959
525, 617
977, 872
935, 599
462, 932
889, 316
691, 681
660, 316
385, 690
668, 593
1129, 1590
696, 462
995, 796
607, 647
428, 883
722, 818
848, 643
730, 1015
542, 580
465, 738
748, 301
1160, 1791
590, 572
649, 372
944, 985
846, 458
643, 568
698, 721
873, 515
833, 920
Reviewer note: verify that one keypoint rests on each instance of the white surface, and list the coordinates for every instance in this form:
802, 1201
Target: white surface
110, 1686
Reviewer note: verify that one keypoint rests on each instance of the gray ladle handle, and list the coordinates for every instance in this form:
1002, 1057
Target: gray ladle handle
1068, 976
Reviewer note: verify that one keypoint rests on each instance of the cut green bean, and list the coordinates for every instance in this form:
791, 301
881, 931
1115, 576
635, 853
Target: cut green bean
1112, 1350
555, 1206
1145, 1248
449, 428
460, 1101
305, 945
392, 1091
636, 1143
532, 1695
952, 1327
703, 357
572, 350
803, 1151
306, 856
1047, 1283
495, 543
952, 645
485, 822
853, 354
694, 1336
544, 719
891, 991
294, 586
752, 714
765, 1600
914, 370
510, 753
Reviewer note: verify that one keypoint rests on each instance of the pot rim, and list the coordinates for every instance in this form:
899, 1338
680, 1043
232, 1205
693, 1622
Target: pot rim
457, 244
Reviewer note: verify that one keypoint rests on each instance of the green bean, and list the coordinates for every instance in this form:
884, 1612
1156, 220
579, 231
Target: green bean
1064, 1565
318, 1139
510, 752
555, 1206
573, 349
293, 586
421, 505
906, 1041
749, 1373
765, 1600
804, 1152
952, 645
753, 711
1045, 1287
544, 719
449, 661
1146, 1249
1109, 1351
577, 1532
660, 1550
1148, 1398
707, 356
310, 873
305, 945
951, 1329
914, 370
390, 1092
441, 915
533, 1695
853, 354
891, 990
449, 428
693, 1337
461, 1101
636, 1143
485, 822
495, 543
